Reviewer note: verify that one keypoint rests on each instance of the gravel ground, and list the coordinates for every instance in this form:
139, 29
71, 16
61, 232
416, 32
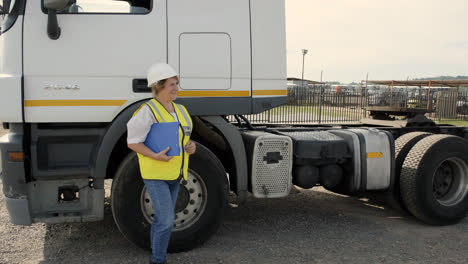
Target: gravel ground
309, 226
306, 227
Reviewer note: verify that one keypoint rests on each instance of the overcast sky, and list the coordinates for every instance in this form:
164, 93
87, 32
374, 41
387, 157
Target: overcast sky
390, 39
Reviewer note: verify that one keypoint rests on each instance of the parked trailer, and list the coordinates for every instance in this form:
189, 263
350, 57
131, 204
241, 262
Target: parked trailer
72, 74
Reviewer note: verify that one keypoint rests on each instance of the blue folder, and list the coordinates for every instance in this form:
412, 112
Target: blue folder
163, 135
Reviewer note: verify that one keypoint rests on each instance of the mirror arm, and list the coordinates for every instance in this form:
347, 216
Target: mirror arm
53, 29
5, 7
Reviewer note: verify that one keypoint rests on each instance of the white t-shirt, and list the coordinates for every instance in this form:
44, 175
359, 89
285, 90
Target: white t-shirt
140, 124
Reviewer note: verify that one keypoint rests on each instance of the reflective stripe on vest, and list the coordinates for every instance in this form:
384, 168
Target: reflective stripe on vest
153, 106
160, 170
182, 110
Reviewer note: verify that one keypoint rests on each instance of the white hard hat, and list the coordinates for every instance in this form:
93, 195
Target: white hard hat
158, 72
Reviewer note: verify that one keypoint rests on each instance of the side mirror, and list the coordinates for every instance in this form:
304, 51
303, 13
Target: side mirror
52, 6
58, 5
4, 7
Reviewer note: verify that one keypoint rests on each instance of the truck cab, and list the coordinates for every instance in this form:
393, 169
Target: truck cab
72, 72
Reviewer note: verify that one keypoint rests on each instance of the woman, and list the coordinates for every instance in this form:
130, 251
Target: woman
160, 172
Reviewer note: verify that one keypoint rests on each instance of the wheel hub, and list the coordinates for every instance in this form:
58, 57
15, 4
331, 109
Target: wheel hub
190, 204
183, 198
443, 180
450, 182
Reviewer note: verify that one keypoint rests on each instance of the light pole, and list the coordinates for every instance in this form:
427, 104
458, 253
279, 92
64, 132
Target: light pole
320, 97
304, 52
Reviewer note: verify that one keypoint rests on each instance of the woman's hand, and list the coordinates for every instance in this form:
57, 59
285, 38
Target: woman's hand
161, 156
190, 147
145, 151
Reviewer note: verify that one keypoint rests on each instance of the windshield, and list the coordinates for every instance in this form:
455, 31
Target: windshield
7, 21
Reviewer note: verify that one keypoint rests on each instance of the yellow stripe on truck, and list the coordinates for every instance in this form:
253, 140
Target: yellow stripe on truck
373, 155
213, 93
270, 92
32, 103
230, 93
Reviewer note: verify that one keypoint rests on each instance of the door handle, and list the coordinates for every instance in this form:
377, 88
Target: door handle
141, 86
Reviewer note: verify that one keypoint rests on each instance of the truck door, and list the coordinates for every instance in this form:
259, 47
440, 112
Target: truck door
88, 73
209, 44
11, 20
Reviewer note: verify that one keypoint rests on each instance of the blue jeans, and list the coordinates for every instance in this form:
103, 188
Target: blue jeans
163, 195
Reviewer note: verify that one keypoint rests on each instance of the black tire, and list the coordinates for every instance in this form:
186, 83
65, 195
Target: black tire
127, 202
434, 179
403, 145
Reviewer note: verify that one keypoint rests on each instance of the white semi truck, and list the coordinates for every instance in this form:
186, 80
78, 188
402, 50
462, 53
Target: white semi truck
72, 73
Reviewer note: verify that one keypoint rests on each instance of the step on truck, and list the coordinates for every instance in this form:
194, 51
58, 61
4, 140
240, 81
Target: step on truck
72, 73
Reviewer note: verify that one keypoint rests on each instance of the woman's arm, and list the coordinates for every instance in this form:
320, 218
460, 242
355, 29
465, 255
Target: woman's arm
145, 151
138, 128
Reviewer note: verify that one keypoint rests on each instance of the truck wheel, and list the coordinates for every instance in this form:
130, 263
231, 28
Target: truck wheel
200, 204
403, 145
434, 179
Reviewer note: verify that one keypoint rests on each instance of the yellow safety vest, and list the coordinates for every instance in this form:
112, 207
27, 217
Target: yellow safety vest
152, 169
